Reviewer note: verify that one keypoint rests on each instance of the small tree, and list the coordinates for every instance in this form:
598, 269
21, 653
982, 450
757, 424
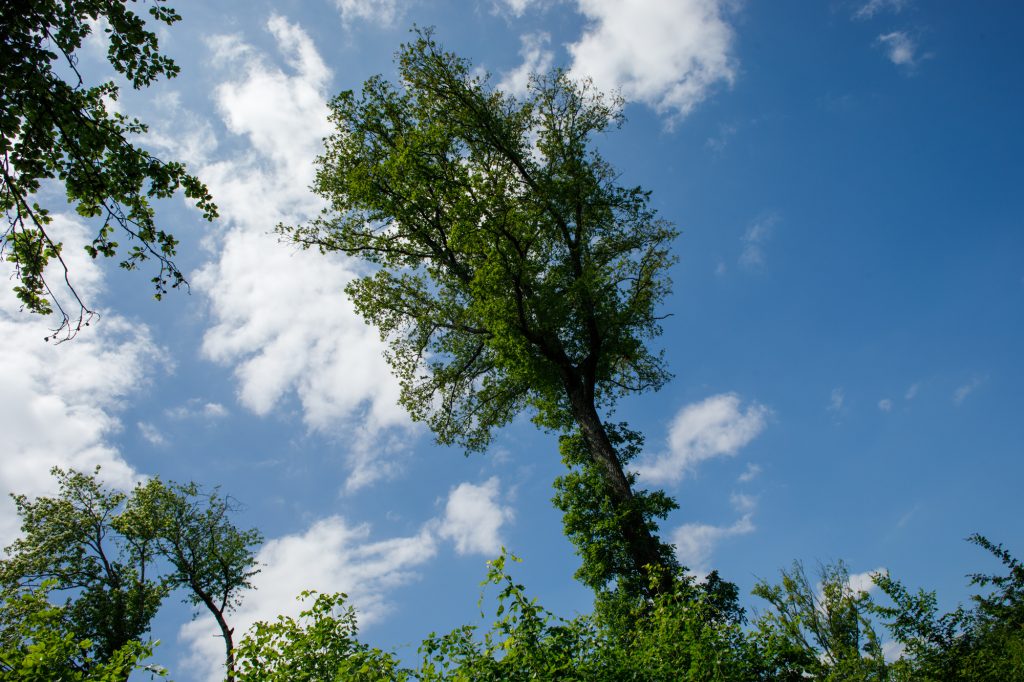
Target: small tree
819, 631
514, 270
213, 560
113, 557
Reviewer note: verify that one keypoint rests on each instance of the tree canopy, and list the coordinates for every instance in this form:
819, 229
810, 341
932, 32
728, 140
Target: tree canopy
515, 271
55, 126
113, 557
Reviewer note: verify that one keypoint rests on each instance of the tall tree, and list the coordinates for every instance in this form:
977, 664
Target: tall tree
55, 126
514, 270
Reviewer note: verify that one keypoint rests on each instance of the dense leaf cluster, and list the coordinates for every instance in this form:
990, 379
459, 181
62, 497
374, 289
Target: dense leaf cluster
107, 560
822, 630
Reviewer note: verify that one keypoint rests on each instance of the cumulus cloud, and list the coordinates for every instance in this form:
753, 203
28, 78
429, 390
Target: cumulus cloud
899, 47
280, 316
755, 238
473, 518
537, 58
332, 555
668, 55
885, 405
59, 404
380, 12
864, 582
714, 427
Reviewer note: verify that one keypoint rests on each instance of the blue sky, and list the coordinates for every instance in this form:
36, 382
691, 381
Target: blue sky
845, 326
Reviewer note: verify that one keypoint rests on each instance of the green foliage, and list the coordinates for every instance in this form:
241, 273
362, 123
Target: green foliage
595, 523
213, 560
509, 255
55, 127
514, 271
39, 643
818, 631
80, 544
114, 557
983, 643
319, 646
526, 642
693, 634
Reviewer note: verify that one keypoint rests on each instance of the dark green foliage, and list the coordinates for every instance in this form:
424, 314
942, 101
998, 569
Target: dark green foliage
53, 126
212, 559
80, 544
39, 643
968, 645
592, 520
112, 558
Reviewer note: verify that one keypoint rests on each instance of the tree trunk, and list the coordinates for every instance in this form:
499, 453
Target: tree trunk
641, 543
225, 631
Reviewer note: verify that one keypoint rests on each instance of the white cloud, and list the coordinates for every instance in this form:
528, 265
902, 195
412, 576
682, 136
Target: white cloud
755, 238
962, 392
281, 317
893, 651
912, 392
152, 434
380, 12
885, 405
750, 473
711, 428
864, 582
537, 58
873, 7
331, 556
899, 47
695, 542
59, 404
473, 518
181, 132
668, 55
836, 400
